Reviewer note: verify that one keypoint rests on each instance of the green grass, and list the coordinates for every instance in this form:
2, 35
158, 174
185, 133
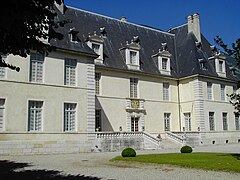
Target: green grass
207, 161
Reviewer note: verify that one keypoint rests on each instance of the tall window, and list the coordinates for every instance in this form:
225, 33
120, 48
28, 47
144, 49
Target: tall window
167, 121
2, 109
69, 117
98, 120
97, 83
211, 121
187, 119
3, 69
164, 63
224, 118
133, 57
166, 91
134, 124
220, 66
237, 122
96, 48
133, 87
222, 92
36, 67
35, 115
70, 72
209, 91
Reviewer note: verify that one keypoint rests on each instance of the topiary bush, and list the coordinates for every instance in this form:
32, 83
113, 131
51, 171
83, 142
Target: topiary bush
128, 152
186, 149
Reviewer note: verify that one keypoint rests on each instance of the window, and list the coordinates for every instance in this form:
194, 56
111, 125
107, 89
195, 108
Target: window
133, 88
3, 69
70, 72
220, 66
96, 48
35, 114
97, 83
166, 91
133, 57
211, 121
167, 121
98, 120
222, 92
209, 91
2, 109
134, 124
164, 63
224, 118
36, 67
237, 122
69, 117
187, 119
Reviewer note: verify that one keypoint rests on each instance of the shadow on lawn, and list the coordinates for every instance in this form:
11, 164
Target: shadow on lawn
13, 170
237, 156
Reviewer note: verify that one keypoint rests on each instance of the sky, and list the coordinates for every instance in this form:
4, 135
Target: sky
217, 17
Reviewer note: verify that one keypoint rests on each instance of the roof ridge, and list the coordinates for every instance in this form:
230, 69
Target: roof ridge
115, 19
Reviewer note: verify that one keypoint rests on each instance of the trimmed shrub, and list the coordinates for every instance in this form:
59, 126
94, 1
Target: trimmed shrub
186, 149
128, 152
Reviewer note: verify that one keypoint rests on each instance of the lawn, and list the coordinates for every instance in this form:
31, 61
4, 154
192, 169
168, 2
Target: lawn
208, 161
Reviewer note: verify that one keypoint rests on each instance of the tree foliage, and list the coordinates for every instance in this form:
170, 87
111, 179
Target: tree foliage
25, 24
234, 52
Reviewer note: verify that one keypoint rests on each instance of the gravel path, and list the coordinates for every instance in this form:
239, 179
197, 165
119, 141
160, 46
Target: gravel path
98, 165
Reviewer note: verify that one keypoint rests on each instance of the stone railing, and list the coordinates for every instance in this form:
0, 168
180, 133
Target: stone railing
191, 138
179, 138
114, 135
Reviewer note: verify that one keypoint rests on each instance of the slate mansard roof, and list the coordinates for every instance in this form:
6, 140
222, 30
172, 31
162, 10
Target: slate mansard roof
185, 55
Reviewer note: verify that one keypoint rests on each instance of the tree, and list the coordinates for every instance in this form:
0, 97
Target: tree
233, 52
25, 24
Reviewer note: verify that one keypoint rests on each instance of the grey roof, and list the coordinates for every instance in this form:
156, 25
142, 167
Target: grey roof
181, 44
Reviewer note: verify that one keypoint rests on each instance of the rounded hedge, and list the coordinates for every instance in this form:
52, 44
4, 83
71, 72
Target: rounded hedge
186, 149
128, 152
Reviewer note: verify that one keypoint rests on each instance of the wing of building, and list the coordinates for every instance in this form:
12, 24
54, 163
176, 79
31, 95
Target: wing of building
113, 84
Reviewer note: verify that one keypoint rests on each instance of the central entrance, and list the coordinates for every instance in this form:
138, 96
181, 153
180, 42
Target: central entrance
134, 124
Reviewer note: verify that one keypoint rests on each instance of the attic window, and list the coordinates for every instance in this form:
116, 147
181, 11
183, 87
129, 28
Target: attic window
220, 64
203, 64
162, 60
132, 53
233, 71
73, 35
95, 42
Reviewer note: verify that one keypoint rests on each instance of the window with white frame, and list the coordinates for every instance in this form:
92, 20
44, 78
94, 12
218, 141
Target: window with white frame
133, 57
3, 69
2, 112
211, 121
97, 83
36, 67
35, 115
223, 94
237, 122
96, 43
69, 117
166, 91
98, 120
209, 91
70, 72
220, 67
225, 123
167, 121
188, 123
133, 88
164, 63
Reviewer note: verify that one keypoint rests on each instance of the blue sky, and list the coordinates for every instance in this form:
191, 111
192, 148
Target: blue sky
218, 17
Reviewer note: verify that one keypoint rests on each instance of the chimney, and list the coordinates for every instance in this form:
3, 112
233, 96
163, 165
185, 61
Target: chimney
123, 19
194, 25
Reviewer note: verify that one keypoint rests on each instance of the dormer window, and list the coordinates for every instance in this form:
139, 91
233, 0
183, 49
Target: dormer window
220, 63
95, 42
132, 54
162, 60
73, 35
